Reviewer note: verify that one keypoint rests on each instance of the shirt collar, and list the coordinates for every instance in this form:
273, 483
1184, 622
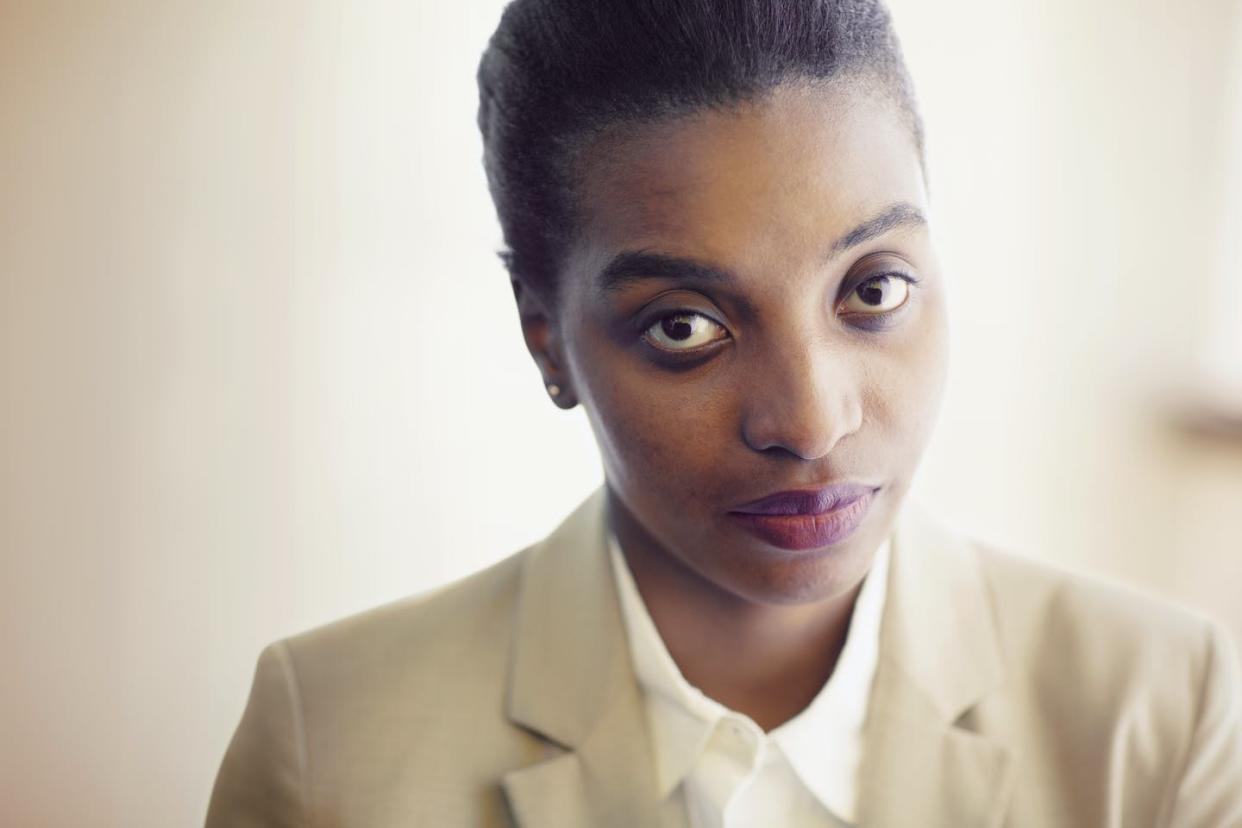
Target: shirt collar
822, 743
680, 716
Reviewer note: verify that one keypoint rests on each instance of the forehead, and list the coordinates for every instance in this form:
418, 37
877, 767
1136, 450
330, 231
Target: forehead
780, 176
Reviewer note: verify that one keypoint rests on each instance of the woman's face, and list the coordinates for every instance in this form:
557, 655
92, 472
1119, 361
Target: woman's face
752, 306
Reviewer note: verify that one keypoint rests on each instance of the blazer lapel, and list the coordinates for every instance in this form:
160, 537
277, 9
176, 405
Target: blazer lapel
939, 655
572, 682
606, 781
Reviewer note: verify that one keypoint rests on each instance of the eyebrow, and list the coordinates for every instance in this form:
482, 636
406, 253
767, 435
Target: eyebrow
633, 266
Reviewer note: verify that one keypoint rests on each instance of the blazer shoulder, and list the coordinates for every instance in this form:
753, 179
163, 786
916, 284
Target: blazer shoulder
1129, 688
365, 715
466, 624
1095, 606
1117, 641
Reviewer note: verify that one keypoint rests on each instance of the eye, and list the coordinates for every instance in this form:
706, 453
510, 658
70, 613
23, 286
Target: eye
684, 331
877, 295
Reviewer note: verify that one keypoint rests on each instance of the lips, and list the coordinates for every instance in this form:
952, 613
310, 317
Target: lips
807, 518
806, 501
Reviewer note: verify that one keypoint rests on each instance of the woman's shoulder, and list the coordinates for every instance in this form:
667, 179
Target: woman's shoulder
416, 652
1042, 609
371, 702
1081, 610
1089, 684
1087, 648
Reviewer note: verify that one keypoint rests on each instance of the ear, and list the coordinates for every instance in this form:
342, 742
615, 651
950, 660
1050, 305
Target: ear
539, 329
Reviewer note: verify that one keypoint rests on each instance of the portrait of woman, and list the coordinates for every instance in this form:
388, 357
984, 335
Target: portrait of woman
717, 221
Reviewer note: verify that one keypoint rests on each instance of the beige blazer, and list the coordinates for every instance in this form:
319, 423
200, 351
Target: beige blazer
1008, 693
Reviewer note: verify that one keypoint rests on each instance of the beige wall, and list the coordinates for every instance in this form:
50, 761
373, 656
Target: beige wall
1086, 177
254, 345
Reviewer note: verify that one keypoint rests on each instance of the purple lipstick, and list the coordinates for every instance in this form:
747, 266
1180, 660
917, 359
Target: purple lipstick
807, 518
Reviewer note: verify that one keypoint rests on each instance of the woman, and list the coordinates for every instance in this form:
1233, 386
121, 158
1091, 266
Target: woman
716, 219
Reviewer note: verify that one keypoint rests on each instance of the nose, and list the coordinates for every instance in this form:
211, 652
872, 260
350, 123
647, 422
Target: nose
805, 402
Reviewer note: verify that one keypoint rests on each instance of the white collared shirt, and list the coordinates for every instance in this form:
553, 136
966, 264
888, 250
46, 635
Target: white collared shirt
803, 774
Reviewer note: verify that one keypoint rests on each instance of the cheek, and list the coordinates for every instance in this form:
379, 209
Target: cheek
653, 435
909, 379
656, 431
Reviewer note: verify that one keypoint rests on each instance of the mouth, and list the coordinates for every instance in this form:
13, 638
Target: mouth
807, 519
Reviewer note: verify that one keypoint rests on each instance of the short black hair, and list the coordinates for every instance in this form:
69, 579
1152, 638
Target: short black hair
556, 72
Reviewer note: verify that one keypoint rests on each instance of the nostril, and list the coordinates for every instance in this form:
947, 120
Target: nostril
807, 435
782, 451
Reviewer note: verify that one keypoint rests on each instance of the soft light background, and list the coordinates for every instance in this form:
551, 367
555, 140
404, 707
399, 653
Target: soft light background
259, 366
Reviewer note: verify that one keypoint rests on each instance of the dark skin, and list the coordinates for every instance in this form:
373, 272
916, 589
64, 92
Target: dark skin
799, 355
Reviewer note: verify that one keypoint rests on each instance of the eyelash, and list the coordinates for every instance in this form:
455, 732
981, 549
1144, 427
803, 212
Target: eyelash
891, 274
876, 322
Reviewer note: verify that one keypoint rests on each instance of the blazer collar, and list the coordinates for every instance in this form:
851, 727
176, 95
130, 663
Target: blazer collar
941, 629
572, 682
567, 666
940, 654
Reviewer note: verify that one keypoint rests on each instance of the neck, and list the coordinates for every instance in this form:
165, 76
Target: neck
766, 661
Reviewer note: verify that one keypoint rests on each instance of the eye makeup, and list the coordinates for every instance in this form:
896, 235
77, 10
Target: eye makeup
688, 315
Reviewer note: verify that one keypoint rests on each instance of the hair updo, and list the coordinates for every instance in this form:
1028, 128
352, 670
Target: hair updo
557, 72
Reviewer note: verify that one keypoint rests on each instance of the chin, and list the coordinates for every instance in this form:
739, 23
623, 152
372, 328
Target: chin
780, 577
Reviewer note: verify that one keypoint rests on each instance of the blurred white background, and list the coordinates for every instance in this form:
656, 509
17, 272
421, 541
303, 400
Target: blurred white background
255, 342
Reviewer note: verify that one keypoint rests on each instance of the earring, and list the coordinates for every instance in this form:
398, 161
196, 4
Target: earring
554, 389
